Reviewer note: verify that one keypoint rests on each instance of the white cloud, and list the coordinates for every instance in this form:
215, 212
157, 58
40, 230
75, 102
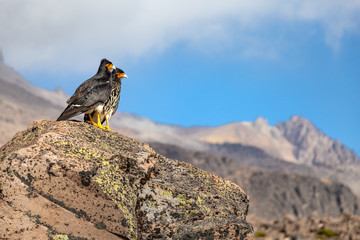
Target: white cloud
70, 34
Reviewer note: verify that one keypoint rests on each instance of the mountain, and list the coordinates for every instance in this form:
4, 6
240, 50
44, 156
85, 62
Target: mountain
295, 141
75, 181
9, 76
257, 134
21, 103
273, 194
277, 148
146, 130
312, 147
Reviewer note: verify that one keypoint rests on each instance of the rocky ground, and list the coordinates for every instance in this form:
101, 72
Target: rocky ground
344, 227
71, 180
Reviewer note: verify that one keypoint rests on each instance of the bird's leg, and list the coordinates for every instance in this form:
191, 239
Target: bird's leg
99, 125
107, 123
91, 120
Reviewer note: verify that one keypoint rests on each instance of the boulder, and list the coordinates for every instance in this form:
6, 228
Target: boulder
71, 180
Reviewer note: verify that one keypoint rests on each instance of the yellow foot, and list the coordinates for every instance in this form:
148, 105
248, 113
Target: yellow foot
107, 123
99, 126
91, 121
107, 128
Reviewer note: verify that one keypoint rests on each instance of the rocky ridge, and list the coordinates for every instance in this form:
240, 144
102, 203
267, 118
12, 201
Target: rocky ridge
312, 147
21, 103
72, 179
273, 194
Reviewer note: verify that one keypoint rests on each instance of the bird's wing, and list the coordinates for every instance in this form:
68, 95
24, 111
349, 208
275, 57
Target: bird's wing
87, 85
97, 95
85, 88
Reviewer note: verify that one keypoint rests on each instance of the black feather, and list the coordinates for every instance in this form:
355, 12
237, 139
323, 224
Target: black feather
90, 93
95, 96
102, 76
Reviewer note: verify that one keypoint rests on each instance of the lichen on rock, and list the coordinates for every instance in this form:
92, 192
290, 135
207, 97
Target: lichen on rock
84, 182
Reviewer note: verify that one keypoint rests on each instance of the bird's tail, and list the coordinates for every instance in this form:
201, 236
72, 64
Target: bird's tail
69, 112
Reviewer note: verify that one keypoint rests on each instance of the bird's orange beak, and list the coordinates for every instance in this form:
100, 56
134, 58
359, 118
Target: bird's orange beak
121, 75
110, 66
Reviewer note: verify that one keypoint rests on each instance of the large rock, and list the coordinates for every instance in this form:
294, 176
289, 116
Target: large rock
71, 180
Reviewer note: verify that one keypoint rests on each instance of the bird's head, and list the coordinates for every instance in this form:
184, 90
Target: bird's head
106, 65
119, 74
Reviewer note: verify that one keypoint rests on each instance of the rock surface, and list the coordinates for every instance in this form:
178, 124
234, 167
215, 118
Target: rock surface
343, 227
273, 194
312, 147
71, 180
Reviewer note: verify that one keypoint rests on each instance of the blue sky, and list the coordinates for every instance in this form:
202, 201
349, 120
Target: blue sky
200, 63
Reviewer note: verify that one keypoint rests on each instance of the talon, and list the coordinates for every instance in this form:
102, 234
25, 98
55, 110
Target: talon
91, 120
98, 124
107, 123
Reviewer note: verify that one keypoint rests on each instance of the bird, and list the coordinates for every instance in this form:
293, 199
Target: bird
77, 101
112, 103
101, 76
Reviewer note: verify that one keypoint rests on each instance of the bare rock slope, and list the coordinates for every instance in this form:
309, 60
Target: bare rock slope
21, 103
70, 178
273, 194
312, 147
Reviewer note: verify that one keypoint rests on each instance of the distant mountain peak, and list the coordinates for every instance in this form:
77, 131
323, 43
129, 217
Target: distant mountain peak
312, 145
261, 122
297, 120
